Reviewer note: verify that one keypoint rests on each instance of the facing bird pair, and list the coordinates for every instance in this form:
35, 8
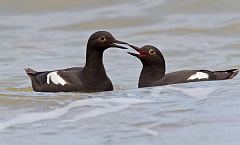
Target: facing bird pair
92, 77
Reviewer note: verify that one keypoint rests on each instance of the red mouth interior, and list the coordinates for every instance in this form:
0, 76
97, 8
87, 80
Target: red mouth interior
142, 53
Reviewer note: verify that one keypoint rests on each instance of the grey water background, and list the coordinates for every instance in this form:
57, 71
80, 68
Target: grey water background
52, 34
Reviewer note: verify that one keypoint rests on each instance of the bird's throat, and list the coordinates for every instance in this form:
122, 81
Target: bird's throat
94, 62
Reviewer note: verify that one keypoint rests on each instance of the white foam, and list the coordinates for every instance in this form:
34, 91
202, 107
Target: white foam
198, 75
108, 105
55, 78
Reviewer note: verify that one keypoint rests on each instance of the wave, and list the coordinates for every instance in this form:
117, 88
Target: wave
107, 106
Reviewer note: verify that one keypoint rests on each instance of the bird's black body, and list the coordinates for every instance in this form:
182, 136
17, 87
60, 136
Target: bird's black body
90, 78
153, 71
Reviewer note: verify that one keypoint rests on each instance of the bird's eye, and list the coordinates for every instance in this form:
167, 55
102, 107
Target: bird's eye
151, 51
102, 38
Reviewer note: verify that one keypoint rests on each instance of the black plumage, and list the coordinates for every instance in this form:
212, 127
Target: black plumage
90, 78
154, 72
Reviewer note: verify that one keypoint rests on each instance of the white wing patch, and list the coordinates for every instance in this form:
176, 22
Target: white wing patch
55, 78
198, 75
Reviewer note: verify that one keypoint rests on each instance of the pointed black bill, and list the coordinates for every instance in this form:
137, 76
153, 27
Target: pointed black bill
116, 42
134, 54
135, 48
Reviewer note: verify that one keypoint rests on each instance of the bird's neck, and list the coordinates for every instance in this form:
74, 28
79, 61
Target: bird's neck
150, 74
94, 62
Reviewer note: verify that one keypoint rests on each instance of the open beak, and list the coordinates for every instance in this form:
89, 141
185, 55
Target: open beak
116, 42
139, 54
135, 54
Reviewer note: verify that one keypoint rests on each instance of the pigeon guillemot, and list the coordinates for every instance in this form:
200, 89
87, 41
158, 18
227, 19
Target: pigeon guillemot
153, 71
90, 78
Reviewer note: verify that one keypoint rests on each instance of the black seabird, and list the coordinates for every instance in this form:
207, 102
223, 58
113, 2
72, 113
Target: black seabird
153, 71
90, 78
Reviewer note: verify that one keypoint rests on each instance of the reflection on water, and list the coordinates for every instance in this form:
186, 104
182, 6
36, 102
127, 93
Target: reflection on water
46, 35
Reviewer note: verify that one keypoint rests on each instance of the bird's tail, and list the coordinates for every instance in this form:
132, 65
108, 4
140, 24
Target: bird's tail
30, 71
227, 74
32, 74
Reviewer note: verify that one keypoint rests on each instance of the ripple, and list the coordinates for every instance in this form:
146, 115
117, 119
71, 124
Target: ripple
36, 116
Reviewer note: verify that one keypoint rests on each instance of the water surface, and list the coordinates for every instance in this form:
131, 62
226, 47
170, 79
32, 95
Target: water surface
47, 35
